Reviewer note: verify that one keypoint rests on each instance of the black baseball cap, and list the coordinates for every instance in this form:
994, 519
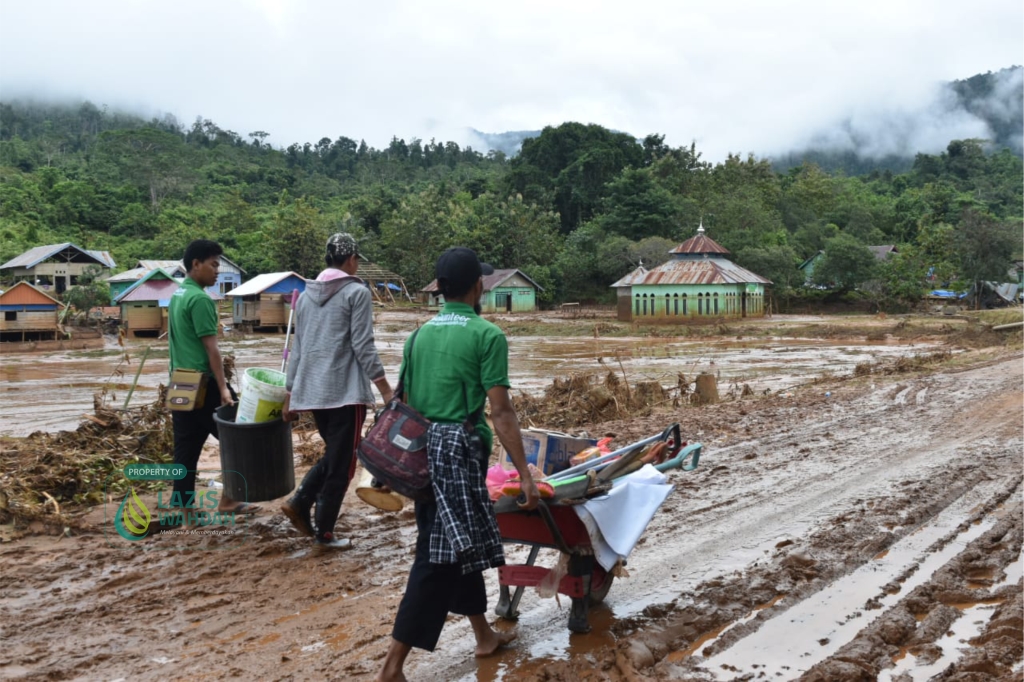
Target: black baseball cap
459, 268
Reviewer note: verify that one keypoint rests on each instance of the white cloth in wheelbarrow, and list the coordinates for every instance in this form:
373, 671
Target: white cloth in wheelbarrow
616, 521
465, 530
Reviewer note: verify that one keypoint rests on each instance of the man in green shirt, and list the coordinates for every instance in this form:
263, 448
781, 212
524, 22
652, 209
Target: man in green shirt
456, 361
192, 339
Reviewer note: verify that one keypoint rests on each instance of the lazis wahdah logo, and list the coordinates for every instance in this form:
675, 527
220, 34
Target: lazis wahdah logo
181, 513
133, 517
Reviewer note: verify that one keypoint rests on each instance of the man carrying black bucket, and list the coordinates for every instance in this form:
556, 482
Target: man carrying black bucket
192, 339
332, 362
456, 361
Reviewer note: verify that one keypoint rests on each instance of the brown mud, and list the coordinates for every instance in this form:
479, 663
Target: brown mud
871, 533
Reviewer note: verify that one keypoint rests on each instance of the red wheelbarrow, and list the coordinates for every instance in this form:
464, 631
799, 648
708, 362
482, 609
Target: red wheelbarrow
554, 524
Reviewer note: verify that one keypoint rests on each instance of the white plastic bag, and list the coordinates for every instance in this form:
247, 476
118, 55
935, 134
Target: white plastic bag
548, 586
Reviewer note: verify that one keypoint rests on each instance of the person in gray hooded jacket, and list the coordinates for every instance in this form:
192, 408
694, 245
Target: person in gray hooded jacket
332, 362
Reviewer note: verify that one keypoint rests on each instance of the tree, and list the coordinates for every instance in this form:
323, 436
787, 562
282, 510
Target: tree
89, 293
297, 237
156, 160
902, 277
985, 247
777, 263
846, 264
637, 206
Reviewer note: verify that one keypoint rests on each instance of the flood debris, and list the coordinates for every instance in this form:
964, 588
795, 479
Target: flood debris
587, 398
903, 364
50, 477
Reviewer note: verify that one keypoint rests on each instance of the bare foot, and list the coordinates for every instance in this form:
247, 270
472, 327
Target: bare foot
493, 642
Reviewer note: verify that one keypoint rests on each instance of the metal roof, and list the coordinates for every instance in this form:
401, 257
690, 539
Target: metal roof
36, 255
155, 275
150, 290
168, 265
492, 281
704, 271
882, 252
260, 283
24, 293
631, 278
129, 275
701, 243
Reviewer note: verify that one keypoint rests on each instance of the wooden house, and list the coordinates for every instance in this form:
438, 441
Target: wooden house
56, 267
229, 277
699, 281
144, 305
505, 291
29, 314
264, 300
122, 281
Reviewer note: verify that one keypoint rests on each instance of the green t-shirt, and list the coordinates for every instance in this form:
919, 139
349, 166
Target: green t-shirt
192, 315
457, 358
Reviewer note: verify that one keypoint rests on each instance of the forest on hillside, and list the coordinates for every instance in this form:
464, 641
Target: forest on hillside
576, 209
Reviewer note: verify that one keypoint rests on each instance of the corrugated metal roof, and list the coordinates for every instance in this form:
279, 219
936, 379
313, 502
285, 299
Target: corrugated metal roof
492, 281
152, 275
704, 271
882, 252
150, 290
701, 243
104, 257
168, 265
24, 293
38, 254
129, 275
632, 277
260, 283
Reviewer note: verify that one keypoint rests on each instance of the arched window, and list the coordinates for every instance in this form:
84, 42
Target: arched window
716, 304
667, 299
637, 307
685, 299
645, 304
675, 299
700, 304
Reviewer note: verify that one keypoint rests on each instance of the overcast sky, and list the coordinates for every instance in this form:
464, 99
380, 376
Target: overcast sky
756, 76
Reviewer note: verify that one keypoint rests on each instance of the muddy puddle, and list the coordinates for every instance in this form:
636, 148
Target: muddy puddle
50, 392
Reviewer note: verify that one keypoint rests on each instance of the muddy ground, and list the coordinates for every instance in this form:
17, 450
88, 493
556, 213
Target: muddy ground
871, 533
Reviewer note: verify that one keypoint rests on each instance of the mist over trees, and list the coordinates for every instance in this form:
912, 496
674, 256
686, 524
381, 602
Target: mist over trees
577, 208
988, 107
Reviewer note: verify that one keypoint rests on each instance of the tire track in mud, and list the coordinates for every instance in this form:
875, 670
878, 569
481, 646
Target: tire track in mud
774, 520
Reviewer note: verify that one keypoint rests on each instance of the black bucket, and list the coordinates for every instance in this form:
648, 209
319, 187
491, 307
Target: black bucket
256, 459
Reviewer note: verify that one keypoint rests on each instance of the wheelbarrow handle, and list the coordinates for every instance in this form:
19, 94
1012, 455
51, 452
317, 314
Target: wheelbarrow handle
545, 513
691, 451
672, 434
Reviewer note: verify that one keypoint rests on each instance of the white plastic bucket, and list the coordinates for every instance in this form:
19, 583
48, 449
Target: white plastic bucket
262, 395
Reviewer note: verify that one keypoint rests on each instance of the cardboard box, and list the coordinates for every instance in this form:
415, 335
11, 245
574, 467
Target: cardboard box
549, 451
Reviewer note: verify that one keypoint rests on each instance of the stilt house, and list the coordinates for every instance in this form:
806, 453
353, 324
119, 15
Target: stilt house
264, 300
29, 314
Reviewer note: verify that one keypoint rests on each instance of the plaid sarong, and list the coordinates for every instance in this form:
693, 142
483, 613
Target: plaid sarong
465, 530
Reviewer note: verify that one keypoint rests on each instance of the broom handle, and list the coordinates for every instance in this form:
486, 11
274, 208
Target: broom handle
288, 332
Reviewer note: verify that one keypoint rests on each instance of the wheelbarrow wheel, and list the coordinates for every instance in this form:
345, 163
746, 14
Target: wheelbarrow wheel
600, 583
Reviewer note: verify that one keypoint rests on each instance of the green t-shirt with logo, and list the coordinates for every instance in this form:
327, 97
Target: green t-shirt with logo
192, 315
457, 357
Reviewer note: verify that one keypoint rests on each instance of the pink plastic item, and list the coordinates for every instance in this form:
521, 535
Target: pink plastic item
496, 478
